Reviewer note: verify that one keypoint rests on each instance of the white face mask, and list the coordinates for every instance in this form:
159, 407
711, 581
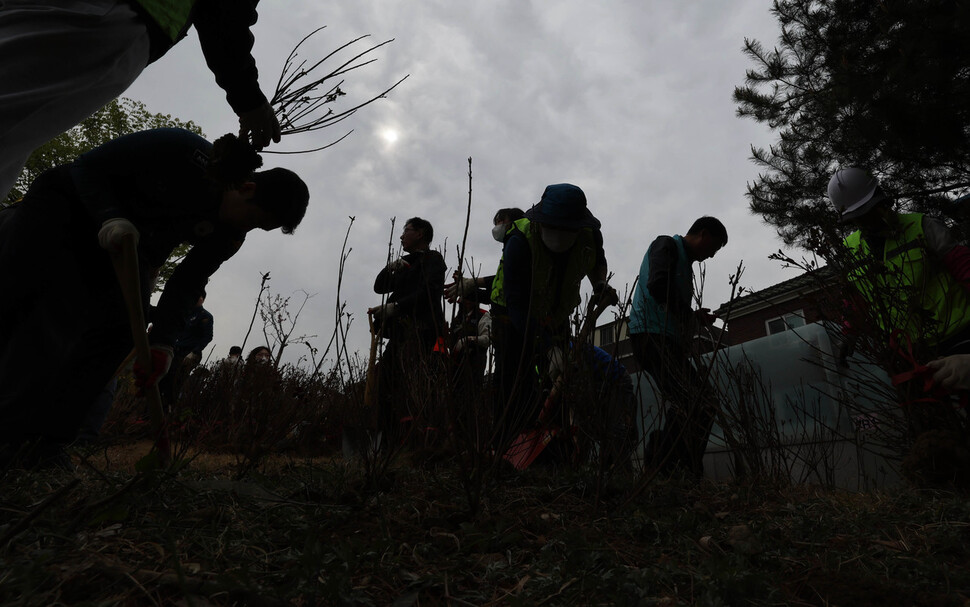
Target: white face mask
498, 232
558, 241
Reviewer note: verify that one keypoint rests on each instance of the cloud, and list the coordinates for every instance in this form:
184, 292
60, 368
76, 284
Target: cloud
629, 100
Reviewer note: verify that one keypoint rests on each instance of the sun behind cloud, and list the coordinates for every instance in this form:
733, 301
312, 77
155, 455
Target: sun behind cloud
390, 136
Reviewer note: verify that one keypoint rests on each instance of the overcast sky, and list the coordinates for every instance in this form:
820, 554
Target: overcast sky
630, 100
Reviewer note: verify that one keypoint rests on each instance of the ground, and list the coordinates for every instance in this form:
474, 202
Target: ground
299, 531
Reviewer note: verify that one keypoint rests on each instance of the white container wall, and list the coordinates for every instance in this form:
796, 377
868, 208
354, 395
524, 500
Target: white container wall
783, 401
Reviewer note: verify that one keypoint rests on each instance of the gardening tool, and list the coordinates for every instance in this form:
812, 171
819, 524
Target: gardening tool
370, 387
356, 440
528, 445
124, 363
126, 268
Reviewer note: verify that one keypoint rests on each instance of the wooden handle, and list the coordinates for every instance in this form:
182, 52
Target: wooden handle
370, 387
126, 268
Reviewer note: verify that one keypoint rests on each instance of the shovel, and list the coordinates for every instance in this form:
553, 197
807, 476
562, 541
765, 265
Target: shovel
126, 267
529, 445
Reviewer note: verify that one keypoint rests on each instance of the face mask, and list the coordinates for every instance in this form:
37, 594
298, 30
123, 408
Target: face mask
558, 241
498, 232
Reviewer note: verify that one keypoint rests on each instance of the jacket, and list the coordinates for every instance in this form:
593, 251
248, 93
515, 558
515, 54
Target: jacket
536, 283
416, 291
224, 35
906, 285
665, 289
157, 180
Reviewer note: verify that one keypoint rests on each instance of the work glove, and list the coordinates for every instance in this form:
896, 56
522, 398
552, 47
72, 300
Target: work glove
952, 372
383, 312
603, 293
191, 359
462, 287
464, 343
398, 265
259, 125
161, 360
113, 231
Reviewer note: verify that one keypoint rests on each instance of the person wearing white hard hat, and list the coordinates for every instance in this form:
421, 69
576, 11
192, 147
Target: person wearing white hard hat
904, 262
910, 274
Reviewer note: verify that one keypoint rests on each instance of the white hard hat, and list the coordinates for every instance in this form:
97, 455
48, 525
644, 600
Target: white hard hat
853, 192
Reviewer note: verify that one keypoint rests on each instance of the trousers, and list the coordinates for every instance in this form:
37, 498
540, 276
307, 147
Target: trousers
61, 61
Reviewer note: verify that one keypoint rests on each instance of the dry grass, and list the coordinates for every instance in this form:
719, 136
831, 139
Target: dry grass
311, 532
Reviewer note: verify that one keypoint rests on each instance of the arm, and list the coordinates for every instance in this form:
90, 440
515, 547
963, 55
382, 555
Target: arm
427, 278
485, 330
954, 257
204, 330
518, 280
189, 279
663, 258
384, 283
227, 43
198, 333
601, 269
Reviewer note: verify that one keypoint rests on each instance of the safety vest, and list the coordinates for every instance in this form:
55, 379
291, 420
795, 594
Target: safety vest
905, 288
497, 295
170, 15
649, 315
544, 303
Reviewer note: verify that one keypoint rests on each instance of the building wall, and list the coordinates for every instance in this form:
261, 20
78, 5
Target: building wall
754, 325
815, 307
617, 343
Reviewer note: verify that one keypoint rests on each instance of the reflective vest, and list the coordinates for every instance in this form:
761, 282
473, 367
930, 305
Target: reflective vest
170, 15
545, 305
497, 295
649, 315
907, 289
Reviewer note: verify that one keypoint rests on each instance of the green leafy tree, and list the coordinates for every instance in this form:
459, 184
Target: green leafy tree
883, 85
119, 117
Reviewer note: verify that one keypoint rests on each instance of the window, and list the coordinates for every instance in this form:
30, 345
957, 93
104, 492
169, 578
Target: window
785, 322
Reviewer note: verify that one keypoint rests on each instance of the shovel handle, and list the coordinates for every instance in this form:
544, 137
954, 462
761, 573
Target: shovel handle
126, 268
370, 385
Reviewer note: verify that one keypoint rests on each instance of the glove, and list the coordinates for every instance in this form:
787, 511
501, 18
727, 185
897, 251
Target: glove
603, 293
398, 264
952, 372
385, 311
462, 287
191, 360
463, 342
113, 230
161, 360
259, 125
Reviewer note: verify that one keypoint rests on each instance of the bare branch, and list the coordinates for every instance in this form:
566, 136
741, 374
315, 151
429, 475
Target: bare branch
301, 98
